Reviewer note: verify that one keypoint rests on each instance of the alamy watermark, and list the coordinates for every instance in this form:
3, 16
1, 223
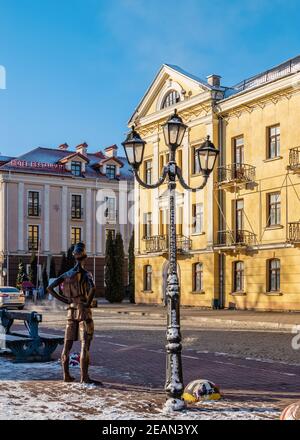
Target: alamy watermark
2, 78
296, 338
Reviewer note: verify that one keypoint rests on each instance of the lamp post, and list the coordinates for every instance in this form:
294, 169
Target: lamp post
134, 146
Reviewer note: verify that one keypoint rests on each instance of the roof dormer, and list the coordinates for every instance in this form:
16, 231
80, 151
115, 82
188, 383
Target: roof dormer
110, 167
75, 163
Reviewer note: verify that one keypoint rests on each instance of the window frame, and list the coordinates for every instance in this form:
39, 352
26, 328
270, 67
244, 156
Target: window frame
33, 204
148, 171
108, 170
75, 241
170, 99
148, 272
74, 168
273, 138
238, 281
198, 277
198, 218
275, 207
276, 271
34, 240
76, 208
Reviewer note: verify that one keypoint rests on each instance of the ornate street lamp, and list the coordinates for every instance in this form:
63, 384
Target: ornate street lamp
174, 130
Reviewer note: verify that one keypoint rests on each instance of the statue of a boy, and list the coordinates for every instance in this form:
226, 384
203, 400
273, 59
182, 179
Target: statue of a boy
78, 293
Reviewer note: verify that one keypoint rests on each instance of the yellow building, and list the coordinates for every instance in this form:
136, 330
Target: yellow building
238, 238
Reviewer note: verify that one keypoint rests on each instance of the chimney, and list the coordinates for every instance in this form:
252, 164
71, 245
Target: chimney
63, 147
111, 151
82, 149
214, 80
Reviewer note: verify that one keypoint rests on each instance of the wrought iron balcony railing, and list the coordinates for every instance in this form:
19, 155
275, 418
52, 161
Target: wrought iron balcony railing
236, 238
294, 232
160, 243
294, 158
236, 172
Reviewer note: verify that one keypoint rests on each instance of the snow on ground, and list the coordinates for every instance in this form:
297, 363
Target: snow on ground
35, 391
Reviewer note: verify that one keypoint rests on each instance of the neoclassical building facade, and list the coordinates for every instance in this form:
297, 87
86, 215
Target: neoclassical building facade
238, 239
51, 198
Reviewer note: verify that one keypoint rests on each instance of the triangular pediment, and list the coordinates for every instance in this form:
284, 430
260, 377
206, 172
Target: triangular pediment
169, 78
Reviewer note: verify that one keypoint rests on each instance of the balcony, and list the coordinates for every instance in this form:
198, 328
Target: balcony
294, 159
160, 244
77, 213
294, 232
232, 239
34, 210
236, 173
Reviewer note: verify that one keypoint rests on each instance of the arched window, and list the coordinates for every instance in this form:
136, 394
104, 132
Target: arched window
148, 278
238, 276
274, 275
198, 277
171, 98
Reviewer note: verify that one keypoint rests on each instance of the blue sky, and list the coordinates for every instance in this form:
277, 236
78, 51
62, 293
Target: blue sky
76, 69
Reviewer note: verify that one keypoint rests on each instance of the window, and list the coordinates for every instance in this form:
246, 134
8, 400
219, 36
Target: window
113, 233
76, 168
147, 224
111, 171
33, 203
195, 162
172, 98
75, 235
198, 218
238, 150
110, 208
76, 210
239, 220
33, 237
273, 141
274, 275
148, 172
198, 277
238, 276
179, 158
148, 278
274, 209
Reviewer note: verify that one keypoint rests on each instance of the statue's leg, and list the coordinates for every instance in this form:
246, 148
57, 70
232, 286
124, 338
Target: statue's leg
87, 330
71, 335
65, 358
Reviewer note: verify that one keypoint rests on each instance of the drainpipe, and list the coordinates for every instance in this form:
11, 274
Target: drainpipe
220, 217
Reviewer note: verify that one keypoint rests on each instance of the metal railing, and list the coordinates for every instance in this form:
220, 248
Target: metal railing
236, 172
294, 158
233, 238
286, 68
294, 232
160, 243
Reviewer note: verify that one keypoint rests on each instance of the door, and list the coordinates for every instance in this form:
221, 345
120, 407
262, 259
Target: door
238, 156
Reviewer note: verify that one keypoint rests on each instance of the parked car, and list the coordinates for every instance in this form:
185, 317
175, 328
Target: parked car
11, 297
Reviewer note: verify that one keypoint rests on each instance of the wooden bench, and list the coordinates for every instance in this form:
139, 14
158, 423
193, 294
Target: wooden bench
29, 345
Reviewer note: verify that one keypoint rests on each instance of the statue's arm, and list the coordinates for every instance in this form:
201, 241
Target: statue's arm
92, 291
56, 295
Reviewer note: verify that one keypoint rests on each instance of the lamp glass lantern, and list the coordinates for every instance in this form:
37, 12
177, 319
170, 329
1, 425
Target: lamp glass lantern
174, 130
134, 147
207, 156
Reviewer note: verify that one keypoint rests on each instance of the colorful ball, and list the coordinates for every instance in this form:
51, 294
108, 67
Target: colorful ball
201, 389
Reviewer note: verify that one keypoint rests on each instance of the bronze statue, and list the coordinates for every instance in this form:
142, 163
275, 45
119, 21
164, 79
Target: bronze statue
78, 292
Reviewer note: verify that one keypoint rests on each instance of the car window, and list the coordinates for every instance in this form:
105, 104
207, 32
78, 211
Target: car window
9, 290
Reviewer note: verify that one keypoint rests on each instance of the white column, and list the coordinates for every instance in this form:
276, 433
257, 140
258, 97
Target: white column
47, 218
65, 210
21, 216
136, 217
88, 219
99, 221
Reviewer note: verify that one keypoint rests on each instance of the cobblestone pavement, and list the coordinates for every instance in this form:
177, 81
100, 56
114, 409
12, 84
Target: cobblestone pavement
258, 372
